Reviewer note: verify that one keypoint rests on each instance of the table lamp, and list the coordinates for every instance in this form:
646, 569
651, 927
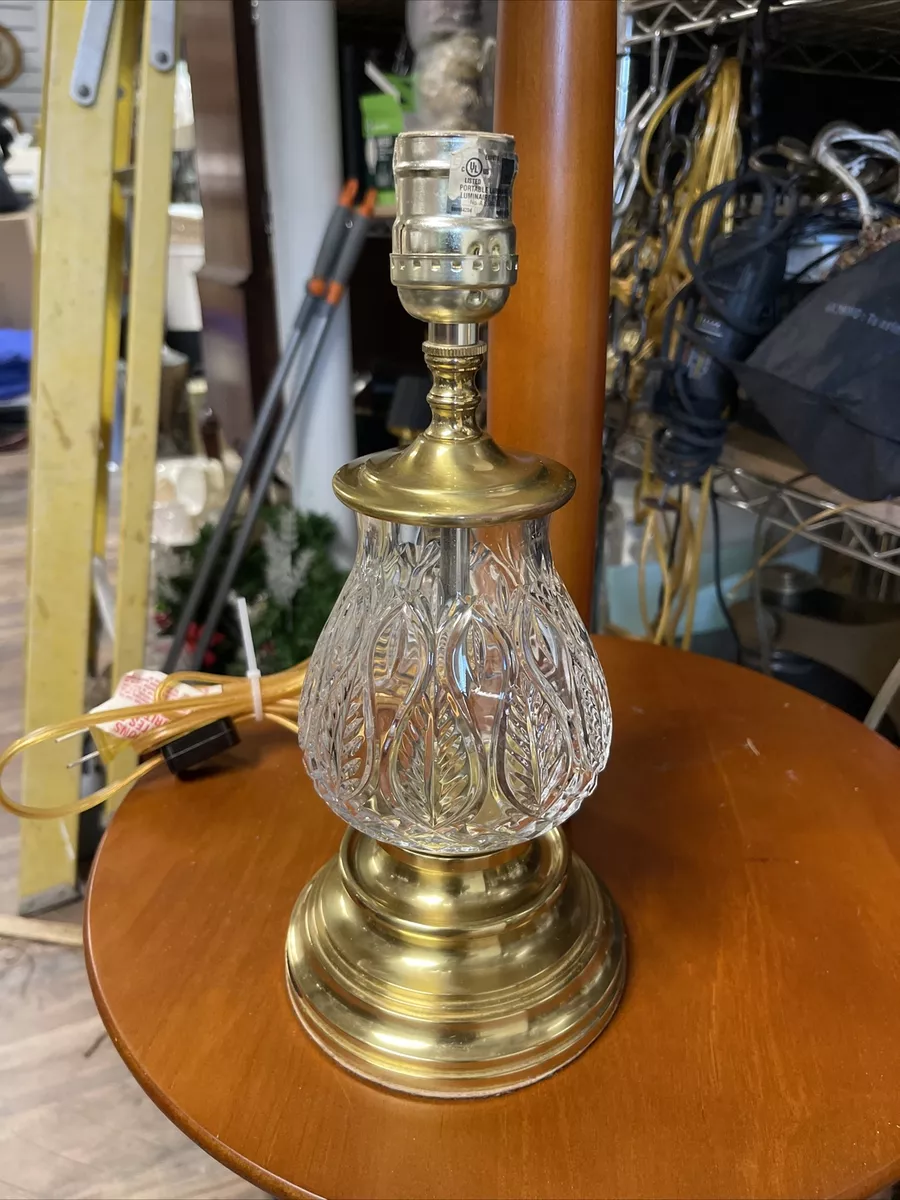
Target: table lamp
454, 713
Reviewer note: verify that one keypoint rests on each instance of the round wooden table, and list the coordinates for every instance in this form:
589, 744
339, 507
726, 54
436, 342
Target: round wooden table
751, 835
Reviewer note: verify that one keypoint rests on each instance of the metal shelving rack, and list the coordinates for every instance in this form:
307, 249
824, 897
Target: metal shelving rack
855, 38
868, 533
825, 37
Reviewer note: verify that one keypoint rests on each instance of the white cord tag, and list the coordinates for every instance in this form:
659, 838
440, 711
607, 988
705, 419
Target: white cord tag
253, 675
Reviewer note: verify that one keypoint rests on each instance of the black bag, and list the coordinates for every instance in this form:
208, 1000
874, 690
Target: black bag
828, 378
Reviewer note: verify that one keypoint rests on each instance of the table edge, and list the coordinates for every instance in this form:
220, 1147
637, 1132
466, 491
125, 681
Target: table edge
228, 1157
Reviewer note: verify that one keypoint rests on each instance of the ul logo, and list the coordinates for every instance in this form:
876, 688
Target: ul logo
474, 168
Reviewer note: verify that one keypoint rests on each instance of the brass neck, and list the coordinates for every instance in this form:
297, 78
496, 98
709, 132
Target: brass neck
454, 474
453, 398
476, 892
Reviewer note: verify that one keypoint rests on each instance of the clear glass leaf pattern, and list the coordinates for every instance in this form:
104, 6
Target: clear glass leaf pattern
454, 723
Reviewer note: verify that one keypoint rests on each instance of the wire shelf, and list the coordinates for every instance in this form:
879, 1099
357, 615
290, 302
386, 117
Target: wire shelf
869, 533
858, 38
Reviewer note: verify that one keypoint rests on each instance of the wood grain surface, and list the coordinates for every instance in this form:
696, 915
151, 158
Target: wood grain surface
751, 835
556, 72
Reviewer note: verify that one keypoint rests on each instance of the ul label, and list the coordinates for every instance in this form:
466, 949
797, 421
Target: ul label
470, 182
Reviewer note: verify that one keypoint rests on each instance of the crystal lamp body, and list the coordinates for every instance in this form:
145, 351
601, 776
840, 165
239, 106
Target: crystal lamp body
454, 713
454, 704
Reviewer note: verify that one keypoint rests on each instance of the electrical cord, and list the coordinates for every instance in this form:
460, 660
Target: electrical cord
702, 204
690, 442
708, 160
884, 144
764, 646
763, 641
816, 262
841, 218
685, 449
712, 159
792, 533
722, 196
678, 555
232, 699
697, 552
760, 560
759, 52
717, 576
884, 698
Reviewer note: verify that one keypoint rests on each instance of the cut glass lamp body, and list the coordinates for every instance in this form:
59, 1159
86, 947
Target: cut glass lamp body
454, 713
454, 704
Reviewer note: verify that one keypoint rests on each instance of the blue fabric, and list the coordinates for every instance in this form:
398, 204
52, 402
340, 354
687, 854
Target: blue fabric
15, 362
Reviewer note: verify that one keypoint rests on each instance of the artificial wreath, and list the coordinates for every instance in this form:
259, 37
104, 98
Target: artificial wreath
288, 577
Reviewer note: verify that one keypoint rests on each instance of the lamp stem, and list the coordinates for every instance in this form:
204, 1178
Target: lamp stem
455, 562
462, 334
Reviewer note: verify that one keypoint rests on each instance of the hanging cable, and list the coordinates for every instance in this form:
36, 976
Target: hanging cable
883, 700
709, 158
717, 576
710, 161
718, 316
792, 533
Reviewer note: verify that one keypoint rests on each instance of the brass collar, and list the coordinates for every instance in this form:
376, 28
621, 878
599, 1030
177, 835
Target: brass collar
454, 473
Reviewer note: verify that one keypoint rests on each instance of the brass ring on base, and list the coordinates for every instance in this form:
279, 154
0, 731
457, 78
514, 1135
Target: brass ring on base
455, 976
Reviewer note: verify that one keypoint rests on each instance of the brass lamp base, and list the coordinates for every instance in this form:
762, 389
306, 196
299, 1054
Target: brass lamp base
447, 976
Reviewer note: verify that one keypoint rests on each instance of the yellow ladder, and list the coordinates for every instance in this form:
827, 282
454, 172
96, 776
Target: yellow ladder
99, 53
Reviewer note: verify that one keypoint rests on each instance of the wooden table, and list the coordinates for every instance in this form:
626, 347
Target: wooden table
751, 835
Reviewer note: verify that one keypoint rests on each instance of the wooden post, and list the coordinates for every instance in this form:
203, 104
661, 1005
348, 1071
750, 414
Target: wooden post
556, 73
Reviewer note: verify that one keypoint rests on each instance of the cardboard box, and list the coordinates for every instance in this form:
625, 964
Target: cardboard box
17, 241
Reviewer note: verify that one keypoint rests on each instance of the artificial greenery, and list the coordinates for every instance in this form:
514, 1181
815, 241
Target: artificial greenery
288, 578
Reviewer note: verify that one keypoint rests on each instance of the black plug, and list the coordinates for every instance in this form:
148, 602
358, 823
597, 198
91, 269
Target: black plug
192, 749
